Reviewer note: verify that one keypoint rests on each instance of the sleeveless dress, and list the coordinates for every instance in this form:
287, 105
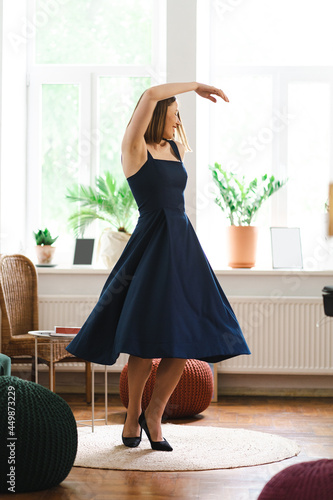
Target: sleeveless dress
162, 298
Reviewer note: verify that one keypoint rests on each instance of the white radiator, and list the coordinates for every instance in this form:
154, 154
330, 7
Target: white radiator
64, 310
281, 332
282, 336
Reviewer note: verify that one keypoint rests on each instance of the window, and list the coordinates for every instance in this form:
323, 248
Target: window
88, 64
279, 120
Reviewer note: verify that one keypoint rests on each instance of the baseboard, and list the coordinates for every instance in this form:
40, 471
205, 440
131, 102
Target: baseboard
275, 385
273, 392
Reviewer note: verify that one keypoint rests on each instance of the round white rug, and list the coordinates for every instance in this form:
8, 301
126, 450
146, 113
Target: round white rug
194, 448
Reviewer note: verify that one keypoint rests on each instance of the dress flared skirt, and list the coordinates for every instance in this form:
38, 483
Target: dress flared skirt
161, 300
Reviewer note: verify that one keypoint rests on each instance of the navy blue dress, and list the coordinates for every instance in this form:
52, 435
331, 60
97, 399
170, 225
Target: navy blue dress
162, 298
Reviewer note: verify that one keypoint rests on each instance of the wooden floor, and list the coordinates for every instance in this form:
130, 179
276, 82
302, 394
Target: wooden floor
306, 420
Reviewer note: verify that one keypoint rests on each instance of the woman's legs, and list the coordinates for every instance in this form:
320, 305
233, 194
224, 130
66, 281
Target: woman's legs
138, 373
168, 374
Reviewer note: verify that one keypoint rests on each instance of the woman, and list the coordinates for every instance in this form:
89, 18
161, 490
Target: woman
162, 299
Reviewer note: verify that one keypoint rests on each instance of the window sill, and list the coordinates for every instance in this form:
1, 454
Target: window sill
73, 270
274, 272
92, 270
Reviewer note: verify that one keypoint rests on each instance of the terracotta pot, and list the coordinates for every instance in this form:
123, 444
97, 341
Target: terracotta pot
44, 254
110, 246
242, 246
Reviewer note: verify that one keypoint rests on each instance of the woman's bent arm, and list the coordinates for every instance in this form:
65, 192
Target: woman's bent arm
137, 127
133, 145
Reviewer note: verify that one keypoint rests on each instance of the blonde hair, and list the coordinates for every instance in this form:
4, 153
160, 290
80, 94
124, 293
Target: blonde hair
155, 129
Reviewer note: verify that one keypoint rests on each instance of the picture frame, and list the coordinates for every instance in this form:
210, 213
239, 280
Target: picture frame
83, 253
286, 248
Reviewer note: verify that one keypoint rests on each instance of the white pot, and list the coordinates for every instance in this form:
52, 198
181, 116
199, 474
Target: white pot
110, 246
44, 254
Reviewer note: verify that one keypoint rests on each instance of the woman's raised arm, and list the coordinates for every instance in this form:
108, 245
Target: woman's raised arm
133, 145
134, 134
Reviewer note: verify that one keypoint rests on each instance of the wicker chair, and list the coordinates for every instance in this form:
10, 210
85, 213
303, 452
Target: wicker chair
19, 309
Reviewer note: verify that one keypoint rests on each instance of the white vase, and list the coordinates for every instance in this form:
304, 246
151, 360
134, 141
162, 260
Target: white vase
44, 254
110, 246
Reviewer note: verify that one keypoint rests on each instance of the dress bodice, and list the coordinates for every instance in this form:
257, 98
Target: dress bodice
159, 183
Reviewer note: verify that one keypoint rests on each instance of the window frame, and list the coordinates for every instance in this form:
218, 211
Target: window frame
86, 77
282, 76
211, 70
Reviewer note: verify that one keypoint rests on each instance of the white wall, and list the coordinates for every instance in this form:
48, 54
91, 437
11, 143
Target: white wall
181, 67
13, 129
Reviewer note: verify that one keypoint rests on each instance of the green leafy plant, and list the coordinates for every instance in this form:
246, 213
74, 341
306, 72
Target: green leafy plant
107, 201
44, 237
241, 200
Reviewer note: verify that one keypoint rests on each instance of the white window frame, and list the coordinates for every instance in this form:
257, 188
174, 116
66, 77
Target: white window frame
282, 76
86, 76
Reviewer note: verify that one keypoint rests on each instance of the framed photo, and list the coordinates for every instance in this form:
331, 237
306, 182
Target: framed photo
83, 253
286, 248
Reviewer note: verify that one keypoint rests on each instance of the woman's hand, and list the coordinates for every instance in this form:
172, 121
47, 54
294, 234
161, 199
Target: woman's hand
206, 91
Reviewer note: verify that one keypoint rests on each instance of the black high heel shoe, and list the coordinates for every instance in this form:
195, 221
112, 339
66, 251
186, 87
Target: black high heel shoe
131, 442
156, 445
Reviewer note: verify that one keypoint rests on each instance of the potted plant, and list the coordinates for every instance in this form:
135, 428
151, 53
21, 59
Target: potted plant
44, 250
110, 203
241, 201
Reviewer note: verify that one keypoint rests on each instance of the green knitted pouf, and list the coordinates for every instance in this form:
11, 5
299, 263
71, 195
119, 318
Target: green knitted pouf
38, 436
5, 365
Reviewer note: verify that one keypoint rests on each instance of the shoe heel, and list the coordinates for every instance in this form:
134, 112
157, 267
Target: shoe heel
155, 445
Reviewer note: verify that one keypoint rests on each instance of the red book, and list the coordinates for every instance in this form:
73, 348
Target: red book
66, 330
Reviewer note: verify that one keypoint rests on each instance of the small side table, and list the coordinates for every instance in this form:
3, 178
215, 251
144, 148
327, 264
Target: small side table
48, 334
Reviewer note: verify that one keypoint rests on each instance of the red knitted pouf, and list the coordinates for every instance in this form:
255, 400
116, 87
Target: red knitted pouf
305, 481
191, 396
